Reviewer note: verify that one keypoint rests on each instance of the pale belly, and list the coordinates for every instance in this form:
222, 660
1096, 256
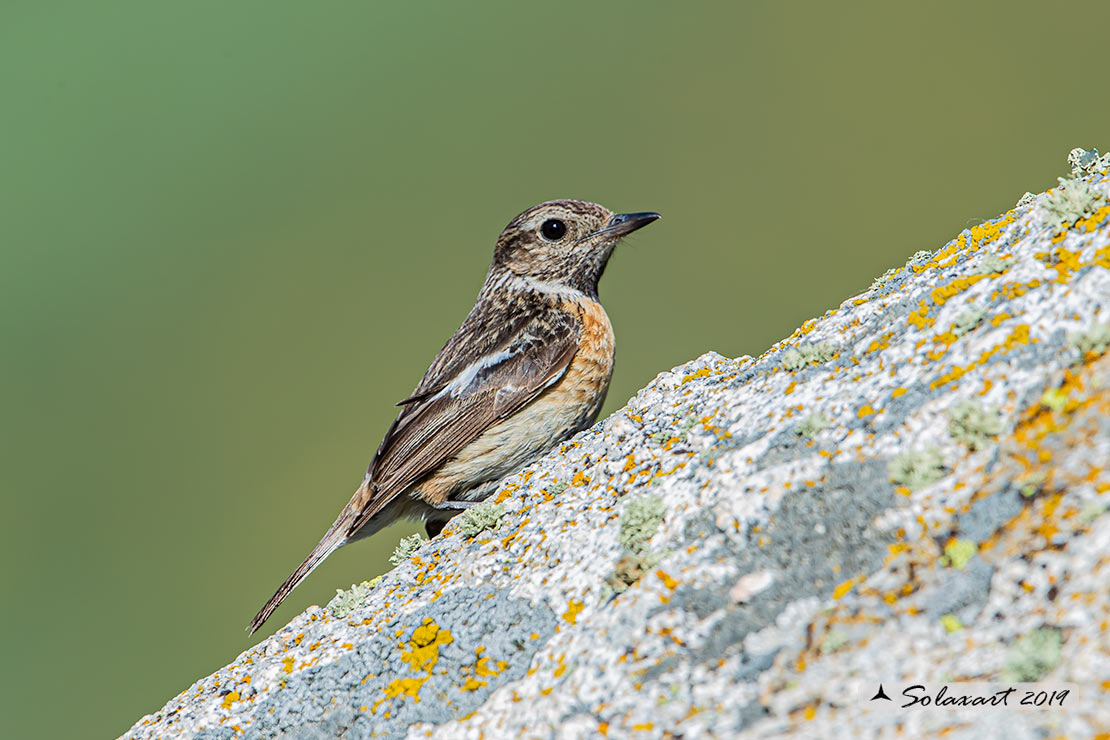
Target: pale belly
567, 407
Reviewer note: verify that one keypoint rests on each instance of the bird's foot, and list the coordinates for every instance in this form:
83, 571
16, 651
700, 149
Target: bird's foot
456, 505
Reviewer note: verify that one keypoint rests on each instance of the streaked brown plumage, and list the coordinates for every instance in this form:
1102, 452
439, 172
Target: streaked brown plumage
528, 368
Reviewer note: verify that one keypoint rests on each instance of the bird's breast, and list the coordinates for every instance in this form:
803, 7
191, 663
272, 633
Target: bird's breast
586, 380
569, 405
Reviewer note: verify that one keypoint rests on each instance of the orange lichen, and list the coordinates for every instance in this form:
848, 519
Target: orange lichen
669, 582
920, 318
1019, 335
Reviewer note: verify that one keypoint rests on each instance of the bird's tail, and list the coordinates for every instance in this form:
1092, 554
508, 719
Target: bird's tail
333, 540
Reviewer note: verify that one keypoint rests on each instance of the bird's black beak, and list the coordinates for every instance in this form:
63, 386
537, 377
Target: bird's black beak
625, 223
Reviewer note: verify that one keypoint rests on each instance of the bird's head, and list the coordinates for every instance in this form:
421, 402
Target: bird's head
564, 243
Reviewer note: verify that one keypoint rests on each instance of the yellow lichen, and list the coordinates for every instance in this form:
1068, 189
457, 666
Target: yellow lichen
232, 696
404, 687
669, 582
920, 318
842, 590
1019, 335
424, 645
700, 373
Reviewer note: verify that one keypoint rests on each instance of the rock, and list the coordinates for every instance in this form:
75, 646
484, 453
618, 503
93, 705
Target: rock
728, 555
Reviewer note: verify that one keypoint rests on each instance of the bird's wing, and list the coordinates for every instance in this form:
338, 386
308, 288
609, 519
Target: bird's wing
481, 388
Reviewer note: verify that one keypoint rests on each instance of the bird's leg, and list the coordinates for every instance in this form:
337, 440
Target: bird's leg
455, 505
435, 526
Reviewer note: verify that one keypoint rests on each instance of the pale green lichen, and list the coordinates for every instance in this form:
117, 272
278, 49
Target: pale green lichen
347, 601
957, 553
1093, 511
951, 623
920, 256
973, 424
834, 640
1071, 201
967, 321
1033, 655
1055, 399
916, 469
1026, 199
884, 278
812, 425
641, 518
638, 525
1087, 162
1096, 339
557, 487
1030, 484
804, 355
405, 548
708, 457
992, 264
686, 426
479, 518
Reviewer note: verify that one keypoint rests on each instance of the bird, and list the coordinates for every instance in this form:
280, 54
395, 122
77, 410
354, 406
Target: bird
528, 368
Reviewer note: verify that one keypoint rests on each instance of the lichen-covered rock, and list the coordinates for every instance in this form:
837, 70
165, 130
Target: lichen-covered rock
910, 489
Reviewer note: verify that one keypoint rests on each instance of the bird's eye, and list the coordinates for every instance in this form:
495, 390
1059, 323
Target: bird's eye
553, 229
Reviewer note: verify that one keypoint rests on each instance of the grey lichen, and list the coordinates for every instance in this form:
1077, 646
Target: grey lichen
804, 355
1033, 655
479, 518
1096, 339
1071, 201
813, 424
973, 424
967, 321
405, 548
916, 469
992, 264
347, 601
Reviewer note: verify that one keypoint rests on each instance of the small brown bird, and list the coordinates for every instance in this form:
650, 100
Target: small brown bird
528, 368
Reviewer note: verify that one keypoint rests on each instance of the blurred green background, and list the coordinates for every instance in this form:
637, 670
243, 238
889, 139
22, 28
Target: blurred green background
234, 234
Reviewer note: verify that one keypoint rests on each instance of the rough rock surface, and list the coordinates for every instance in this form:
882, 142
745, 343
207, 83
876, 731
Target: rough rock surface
912, 488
